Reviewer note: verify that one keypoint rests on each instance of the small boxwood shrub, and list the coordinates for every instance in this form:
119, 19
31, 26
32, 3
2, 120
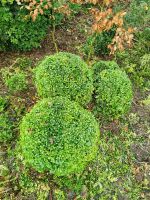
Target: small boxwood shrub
14, 81
64, 74
5, 128
58, 136
102, 65
113, 93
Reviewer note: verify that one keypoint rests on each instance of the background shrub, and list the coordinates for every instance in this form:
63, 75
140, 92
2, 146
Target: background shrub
24, 40
17, 31
64, 74
5, 21
135, 61
98, 44
113, 93
5, 128
58, 136
138, 14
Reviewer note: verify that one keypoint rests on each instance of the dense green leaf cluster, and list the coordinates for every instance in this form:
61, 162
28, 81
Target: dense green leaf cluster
113, 93
58, 136
5, 128
17, 31
109, 174
103, 65
97, 44
64, 74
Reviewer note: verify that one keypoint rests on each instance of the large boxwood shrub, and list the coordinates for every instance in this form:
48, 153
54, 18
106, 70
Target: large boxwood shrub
64, 74
113, 93
58, 136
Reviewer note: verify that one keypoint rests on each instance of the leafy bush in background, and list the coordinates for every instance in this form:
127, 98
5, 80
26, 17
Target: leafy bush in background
25, 34
135, 61
138, 14
64, 74
17, 31
5, 21
113, 93
5, 128
58, 136
97, 44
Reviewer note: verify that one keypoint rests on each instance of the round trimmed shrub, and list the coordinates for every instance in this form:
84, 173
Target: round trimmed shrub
58, 136
64, 74
113, 92
102, 65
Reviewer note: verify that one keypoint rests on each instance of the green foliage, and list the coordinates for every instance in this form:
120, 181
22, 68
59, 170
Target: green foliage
23, 63
97, 44
19, 31
6, 1
75, 8
3, 103
5, 128
136, 61
138, 14
33, 187
5, 21
64, 74
14, 81
103, 65
58, 136
59, 195
26, 40
146, 101
110, 175
113, 93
